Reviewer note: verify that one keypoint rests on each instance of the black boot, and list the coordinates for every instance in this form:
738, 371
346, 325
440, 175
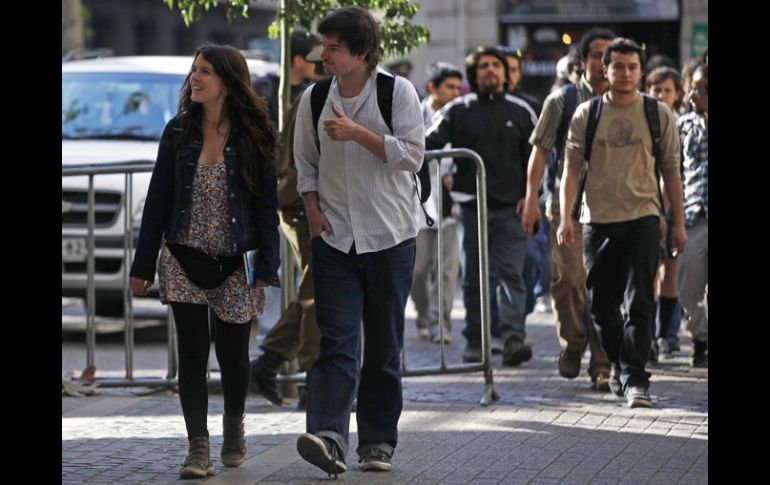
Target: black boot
263, 374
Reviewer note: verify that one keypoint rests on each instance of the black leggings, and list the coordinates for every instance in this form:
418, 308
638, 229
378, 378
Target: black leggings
193, 344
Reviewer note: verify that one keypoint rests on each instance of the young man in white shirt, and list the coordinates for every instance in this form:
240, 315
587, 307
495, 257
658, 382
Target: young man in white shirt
355, 177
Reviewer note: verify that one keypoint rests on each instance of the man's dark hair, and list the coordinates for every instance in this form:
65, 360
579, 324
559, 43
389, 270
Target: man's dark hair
440, 71
622, 45
592, 35
510, 52
472, 63
659, 60
357, 30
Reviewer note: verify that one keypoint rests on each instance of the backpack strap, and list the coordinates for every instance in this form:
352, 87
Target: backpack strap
653, 121
594, 112
570, 104
385, 86
317, 99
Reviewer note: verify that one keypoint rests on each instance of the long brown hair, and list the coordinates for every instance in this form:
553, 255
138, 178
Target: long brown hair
257, 139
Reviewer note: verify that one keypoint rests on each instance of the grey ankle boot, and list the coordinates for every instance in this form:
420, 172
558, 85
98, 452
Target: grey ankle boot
197, 464
234, 444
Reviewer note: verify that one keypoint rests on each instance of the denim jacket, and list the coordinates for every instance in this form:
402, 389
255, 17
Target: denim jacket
253, 219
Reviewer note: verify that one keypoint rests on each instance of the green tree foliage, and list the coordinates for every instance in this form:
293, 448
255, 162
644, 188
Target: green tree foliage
399, 35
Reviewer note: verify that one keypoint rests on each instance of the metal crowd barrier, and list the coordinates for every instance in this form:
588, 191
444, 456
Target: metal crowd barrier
127, 169
490, 395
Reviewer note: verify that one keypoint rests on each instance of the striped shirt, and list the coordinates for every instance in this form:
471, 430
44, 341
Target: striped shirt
695, 166
367, 201
547, 129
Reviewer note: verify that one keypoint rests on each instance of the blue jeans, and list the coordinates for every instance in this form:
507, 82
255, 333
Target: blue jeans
507, 244
349, 288
543, 238
621, 260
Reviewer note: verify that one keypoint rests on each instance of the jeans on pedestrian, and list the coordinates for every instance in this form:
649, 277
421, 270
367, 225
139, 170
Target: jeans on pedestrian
694, 279
543, 284
349, 288
507, 244
426, 275
621, 260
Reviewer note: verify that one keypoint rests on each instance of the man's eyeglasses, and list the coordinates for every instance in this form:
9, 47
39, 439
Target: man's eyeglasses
698, 92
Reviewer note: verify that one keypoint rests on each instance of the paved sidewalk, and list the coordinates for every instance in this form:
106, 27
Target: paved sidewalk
544, 430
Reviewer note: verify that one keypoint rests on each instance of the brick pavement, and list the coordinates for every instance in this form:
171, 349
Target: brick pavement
544, 430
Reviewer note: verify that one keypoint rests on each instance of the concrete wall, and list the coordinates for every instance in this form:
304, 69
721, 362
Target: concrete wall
457, 27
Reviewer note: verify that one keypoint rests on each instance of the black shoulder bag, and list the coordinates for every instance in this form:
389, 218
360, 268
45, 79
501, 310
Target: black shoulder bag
204, 270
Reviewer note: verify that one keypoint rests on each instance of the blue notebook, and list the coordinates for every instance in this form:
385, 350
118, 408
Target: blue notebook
250, 265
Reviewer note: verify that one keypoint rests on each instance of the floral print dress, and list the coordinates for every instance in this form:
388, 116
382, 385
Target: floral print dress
208, 230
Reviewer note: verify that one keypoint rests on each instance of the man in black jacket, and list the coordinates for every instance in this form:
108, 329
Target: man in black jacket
497, 126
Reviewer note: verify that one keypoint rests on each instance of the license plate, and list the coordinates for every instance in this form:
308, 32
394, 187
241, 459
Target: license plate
73, 250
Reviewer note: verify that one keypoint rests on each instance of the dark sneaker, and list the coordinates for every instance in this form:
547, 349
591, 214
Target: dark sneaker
264, 377
638, 397
700, 356
472, 352
615, 385
569, 363
376, 460
516, 352
321, 453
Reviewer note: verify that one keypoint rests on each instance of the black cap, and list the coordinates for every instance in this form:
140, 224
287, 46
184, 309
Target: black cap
302, 42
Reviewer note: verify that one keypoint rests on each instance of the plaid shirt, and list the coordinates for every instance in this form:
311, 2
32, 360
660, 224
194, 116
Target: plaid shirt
695, 166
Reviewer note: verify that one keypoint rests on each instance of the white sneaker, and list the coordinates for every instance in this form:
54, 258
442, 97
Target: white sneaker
663, 347
543, 304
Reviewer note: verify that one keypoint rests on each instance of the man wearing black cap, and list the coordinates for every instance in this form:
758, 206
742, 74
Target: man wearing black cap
296, 332
301, 72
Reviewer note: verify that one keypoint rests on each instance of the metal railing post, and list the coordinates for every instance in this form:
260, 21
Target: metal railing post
490, 395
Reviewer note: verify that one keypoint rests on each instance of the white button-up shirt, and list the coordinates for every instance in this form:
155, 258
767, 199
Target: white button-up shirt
367, 201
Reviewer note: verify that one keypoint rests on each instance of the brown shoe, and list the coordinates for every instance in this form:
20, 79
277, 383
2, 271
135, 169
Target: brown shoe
234, 443
197, 464
569, 363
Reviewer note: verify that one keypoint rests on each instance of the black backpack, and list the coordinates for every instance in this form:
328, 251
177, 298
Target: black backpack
557, 152
385, 86
653, 122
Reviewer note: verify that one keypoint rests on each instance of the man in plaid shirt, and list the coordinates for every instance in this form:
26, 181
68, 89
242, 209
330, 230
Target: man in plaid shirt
693, 270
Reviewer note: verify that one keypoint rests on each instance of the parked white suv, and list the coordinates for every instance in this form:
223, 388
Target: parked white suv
113, 110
